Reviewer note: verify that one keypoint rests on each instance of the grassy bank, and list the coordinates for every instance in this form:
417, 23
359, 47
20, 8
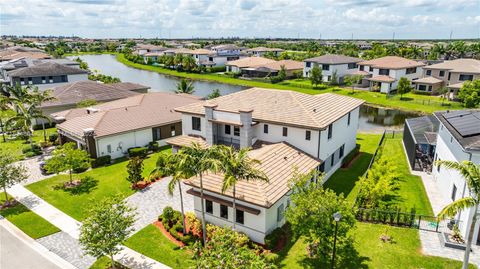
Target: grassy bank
89, 53
410, 101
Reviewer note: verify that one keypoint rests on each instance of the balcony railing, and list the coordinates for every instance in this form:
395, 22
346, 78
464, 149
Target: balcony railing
229, 141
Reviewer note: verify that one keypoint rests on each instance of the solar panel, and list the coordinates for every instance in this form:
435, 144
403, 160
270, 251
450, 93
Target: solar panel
466, 124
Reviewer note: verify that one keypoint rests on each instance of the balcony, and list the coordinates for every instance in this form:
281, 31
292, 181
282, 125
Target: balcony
228, 141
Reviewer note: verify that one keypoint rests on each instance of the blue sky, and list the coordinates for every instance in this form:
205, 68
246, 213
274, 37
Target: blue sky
366, 19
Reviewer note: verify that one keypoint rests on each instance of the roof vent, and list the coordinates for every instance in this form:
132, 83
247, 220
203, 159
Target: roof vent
314, 110
91, 110
126, 108
285, 158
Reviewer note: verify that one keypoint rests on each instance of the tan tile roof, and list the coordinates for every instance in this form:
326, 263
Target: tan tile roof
124, 115
459, 65
11, 54
282, 106
201, 51
278, 161
250, 62
263, 49
456, 85
428, 80
360, 72
392, 62
186, 141
129, 86
277, 65
382, 78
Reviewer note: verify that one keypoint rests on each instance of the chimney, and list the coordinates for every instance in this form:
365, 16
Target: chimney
246, 131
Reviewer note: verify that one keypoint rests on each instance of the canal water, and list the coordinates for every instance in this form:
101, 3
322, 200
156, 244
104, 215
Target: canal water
372, 119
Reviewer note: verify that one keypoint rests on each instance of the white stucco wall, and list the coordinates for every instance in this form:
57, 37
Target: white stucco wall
77, 77
122, 142
187, 125
342, 70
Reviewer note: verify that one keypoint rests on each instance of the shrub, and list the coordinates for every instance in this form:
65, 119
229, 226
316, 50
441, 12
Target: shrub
276, 79
44, 144
138, 152
102, 161
153, 146
216, 69
53, 137
272, 239
80, 169
422, 93
32, 150
193, 223
298, 74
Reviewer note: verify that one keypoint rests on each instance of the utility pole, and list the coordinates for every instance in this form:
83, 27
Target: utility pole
393, 38
451, 33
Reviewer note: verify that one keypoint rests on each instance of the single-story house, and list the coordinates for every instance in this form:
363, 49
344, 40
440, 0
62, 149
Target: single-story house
112, 128
248, 62
260, 51
272, 68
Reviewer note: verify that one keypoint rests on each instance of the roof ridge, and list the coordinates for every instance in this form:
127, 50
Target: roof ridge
304, 108
68, 87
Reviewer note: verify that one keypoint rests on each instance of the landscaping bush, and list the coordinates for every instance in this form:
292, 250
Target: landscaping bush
170, 218
422, 93
32, 150
351, 155
193, 223
44, 144
153, 146
81, 169
216, 69
101, 161
138, 152
298, 74
52, 138
276, 79
272, 239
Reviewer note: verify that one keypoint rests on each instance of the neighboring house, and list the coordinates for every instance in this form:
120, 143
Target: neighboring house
331, 63
17, 52
272, 68
288, 131
202, 57
112, 128
260, 51
69, 95
458, 140
427, 84
221, 54
146, 48
384, 73
46, 75
452, 74
248, 62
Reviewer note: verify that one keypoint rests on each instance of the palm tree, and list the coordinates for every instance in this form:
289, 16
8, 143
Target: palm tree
471, 174
168, 165
188, 63
38, 98
196, 160
235, 166
184, 86
177, 60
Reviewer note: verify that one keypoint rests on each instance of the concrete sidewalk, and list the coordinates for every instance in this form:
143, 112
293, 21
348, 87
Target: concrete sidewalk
70, 226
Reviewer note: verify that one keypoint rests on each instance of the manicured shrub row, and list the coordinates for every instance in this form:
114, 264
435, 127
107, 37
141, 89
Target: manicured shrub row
101, 161
153, 146
172, 222
138, 152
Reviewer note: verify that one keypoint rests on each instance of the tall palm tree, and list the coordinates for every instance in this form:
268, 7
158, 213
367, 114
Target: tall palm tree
39, 97
196, 160
168, 165
184, 86
236, 166
471, 174
188, 63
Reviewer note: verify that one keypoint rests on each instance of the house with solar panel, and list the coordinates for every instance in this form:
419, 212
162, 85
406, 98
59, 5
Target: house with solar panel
458, 140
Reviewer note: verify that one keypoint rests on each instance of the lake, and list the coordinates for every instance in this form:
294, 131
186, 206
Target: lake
372, 119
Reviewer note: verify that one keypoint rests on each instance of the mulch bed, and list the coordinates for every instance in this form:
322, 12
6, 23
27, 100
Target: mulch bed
11, 203
159, 225
143, 184
352, 161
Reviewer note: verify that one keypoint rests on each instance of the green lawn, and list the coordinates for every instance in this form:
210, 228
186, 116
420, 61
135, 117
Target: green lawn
412, 102
109, 181
16, 145
404, 252
27, 221
151, 242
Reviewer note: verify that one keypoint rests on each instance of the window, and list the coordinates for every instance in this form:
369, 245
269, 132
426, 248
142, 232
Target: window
322, 167
449, 75
430, 88
239, 216
429, 72
308, 64
109, 148
236, 131
210, 59
385, 72
352, 66
411, 70
342, 151
325, 67
361, 67
209, 206
330, 131
265, 128
285, 131
224, 211
196, 125
172, 130
422, 87
64, 79
465, 77
348, 118
308, 134
332, 160
43, 79
454, 192
441, 73
228, 129
280, 211
156, 134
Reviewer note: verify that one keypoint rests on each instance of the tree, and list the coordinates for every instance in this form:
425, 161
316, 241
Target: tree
471, 174
444, 92
68, 158
178, 59
235, 166
38, 98
195, 160
282, 74
188, 63
184, 86
87, 103
352, 80
334, 78
403, 86
214, 94
312, 216
316, 76
10, 173
107, 227
134, 170
470, 93
229, 250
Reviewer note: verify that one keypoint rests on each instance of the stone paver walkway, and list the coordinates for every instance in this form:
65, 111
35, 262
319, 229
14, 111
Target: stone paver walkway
68, 248
33, 167
70, 226
437, 201
151, 201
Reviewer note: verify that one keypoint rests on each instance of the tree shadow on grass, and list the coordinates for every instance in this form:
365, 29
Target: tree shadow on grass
87, 184
348, 258
406, 98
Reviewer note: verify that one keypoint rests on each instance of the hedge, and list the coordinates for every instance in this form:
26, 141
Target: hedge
138, 152
101, 161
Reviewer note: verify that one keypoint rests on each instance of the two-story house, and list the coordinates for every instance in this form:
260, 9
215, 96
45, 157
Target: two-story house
260, 51
221, 54
451, 74
458, 140
332, 63
385, 72
288, 131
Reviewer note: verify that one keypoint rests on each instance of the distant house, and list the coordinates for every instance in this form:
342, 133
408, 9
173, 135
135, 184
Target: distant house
146, 48
46, 75
236, 66
221, 54
202, 57
288, 131
273, 68
112, 128
17, 52
330, 63
260, 51
385, 72
451, 74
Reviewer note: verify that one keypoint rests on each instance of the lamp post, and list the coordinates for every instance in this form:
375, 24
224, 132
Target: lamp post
337, 216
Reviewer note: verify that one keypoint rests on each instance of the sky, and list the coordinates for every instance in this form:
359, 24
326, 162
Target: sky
326, 19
